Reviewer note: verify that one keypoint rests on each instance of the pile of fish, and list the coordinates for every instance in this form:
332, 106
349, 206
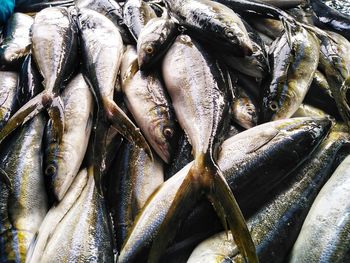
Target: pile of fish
175, 131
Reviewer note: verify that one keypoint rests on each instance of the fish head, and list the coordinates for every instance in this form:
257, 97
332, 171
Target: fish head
239, 40
84, 18
244, 113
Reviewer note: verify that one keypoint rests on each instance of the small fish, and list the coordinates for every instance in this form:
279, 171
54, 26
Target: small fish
17, 41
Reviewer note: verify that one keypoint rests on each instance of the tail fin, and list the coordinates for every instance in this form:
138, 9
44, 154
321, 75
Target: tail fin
204, 177
124, 125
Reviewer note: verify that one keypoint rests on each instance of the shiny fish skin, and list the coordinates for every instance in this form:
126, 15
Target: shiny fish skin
136, 15
8, 93
63, 159
84, 234
27, 201
293, 61
268, 144
17, 41
325, 235
306, 110
147, 100
213, 23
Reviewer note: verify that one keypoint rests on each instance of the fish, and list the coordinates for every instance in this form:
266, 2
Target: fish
136, 15
8, 96
270, 27
84, 233
269, 145
201, 113
55, 55
63, 159
330, 18
54, 216
24, 204
289, 82
306, 110
155, 40
275, 226
38, 5
30, 81
325, 233
283, 3
150, 105
225, 29
112, 10
17, 41
101, 53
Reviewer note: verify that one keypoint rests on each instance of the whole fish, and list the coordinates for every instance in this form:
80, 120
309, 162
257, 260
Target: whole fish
102, 48
278, 147
325, 235
63, 159
331, 18
54, 216
199, 96
17, 41
113, 11
320, 95
26, 203
136, 15
84, 234
335, 65
213, 23
30, 81
8, 94
154, 41
289, 82
147, 100
55, 55
276, 225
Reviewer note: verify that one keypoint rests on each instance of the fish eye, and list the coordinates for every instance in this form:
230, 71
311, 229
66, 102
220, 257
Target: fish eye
149, 49
230, 34
273, 105
50, 170
168, 133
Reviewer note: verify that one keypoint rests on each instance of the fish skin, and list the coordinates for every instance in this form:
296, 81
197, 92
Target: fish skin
55, 54
148, 102
324, 236
275, 226
225, 30
26, 203
84, 234
63, 159
306, 110
289, 82
17, 41
137, 13
8, 95
258, 145
154, 41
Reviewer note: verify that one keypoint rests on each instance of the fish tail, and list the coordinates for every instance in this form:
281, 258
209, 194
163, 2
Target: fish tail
206, 178
56, 113
26, 112
124, 125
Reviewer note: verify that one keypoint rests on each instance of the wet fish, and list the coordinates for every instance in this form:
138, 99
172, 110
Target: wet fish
306, 110
55, 55
17, 41
84, 233
154, 41
325, 232
8, 95
63, 159
214, 24
136, 15
294, 60
147, 100
201, 113
269, 145
25, 204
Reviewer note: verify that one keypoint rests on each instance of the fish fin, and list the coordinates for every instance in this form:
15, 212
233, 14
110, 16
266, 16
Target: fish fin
25, 113
31, 247
228, 210
185, 199
5, 178
56, 113
125, 126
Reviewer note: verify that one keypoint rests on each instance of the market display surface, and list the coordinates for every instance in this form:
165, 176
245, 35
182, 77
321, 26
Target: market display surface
174, 131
